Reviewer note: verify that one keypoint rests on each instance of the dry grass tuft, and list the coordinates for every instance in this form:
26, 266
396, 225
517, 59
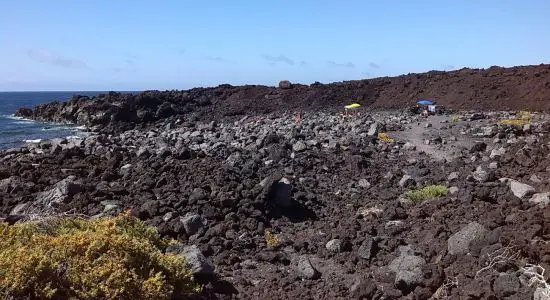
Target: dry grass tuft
530, 274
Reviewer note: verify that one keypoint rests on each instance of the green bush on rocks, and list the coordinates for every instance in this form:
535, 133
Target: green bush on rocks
426, 193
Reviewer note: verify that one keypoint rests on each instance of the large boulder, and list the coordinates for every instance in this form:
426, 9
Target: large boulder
9, 183
478, 147
373, 129
524, 159
283, 192
506, 285
305, 268
194, 259
453, 176
285, 84
408, 269
462, 241
276, 190
521, 190
497, 153
335, 245
481, 175
406, 181
20, 208
299, 146
60, 192
367, 248
363, 287
193, 223
541, 199
165, 110
541, 294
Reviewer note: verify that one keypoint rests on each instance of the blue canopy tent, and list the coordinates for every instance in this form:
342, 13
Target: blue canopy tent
424, 102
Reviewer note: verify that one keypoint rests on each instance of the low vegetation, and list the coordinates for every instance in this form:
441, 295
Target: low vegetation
426, 193
271, 239
76, 258
384, 138
522, 118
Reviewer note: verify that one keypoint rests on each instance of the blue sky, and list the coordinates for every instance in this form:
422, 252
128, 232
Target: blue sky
136, 45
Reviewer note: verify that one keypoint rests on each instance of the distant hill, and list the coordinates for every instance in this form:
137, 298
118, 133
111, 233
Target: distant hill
496, 88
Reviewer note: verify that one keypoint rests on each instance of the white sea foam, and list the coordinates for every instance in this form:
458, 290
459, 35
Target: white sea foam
29, 130
56, 128
24, 122
33, 141
13, 117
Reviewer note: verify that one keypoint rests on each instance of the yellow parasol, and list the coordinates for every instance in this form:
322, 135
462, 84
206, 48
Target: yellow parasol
352, 106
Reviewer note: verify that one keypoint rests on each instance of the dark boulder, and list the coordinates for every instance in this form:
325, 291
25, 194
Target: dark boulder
24, 113
165, 110
285, 84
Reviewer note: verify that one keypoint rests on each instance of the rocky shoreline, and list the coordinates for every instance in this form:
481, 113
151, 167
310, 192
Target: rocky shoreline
287, 200
313, 209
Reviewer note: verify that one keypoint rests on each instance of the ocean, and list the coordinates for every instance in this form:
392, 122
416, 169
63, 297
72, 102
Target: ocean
14, 132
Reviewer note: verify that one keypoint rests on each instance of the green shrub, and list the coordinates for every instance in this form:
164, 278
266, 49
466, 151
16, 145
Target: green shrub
104, 258
427, 192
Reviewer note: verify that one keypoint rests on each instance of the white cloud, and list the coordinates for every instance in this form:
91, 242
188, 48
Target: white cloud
46, 56
276, 59
348, 65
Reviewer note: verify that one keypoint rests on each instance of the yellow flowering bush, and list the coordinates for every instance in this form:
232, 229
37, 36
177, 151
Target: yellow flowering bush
384, 138
522, 118
104, 258
271, 239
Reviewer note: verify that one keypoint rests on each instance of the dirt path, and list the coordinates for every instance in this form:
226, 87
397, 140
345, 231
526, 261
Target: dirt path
439, 126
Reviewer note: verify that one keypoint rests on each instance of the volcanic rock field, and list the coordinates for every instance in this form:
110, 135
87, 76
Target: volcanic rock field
278, 196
